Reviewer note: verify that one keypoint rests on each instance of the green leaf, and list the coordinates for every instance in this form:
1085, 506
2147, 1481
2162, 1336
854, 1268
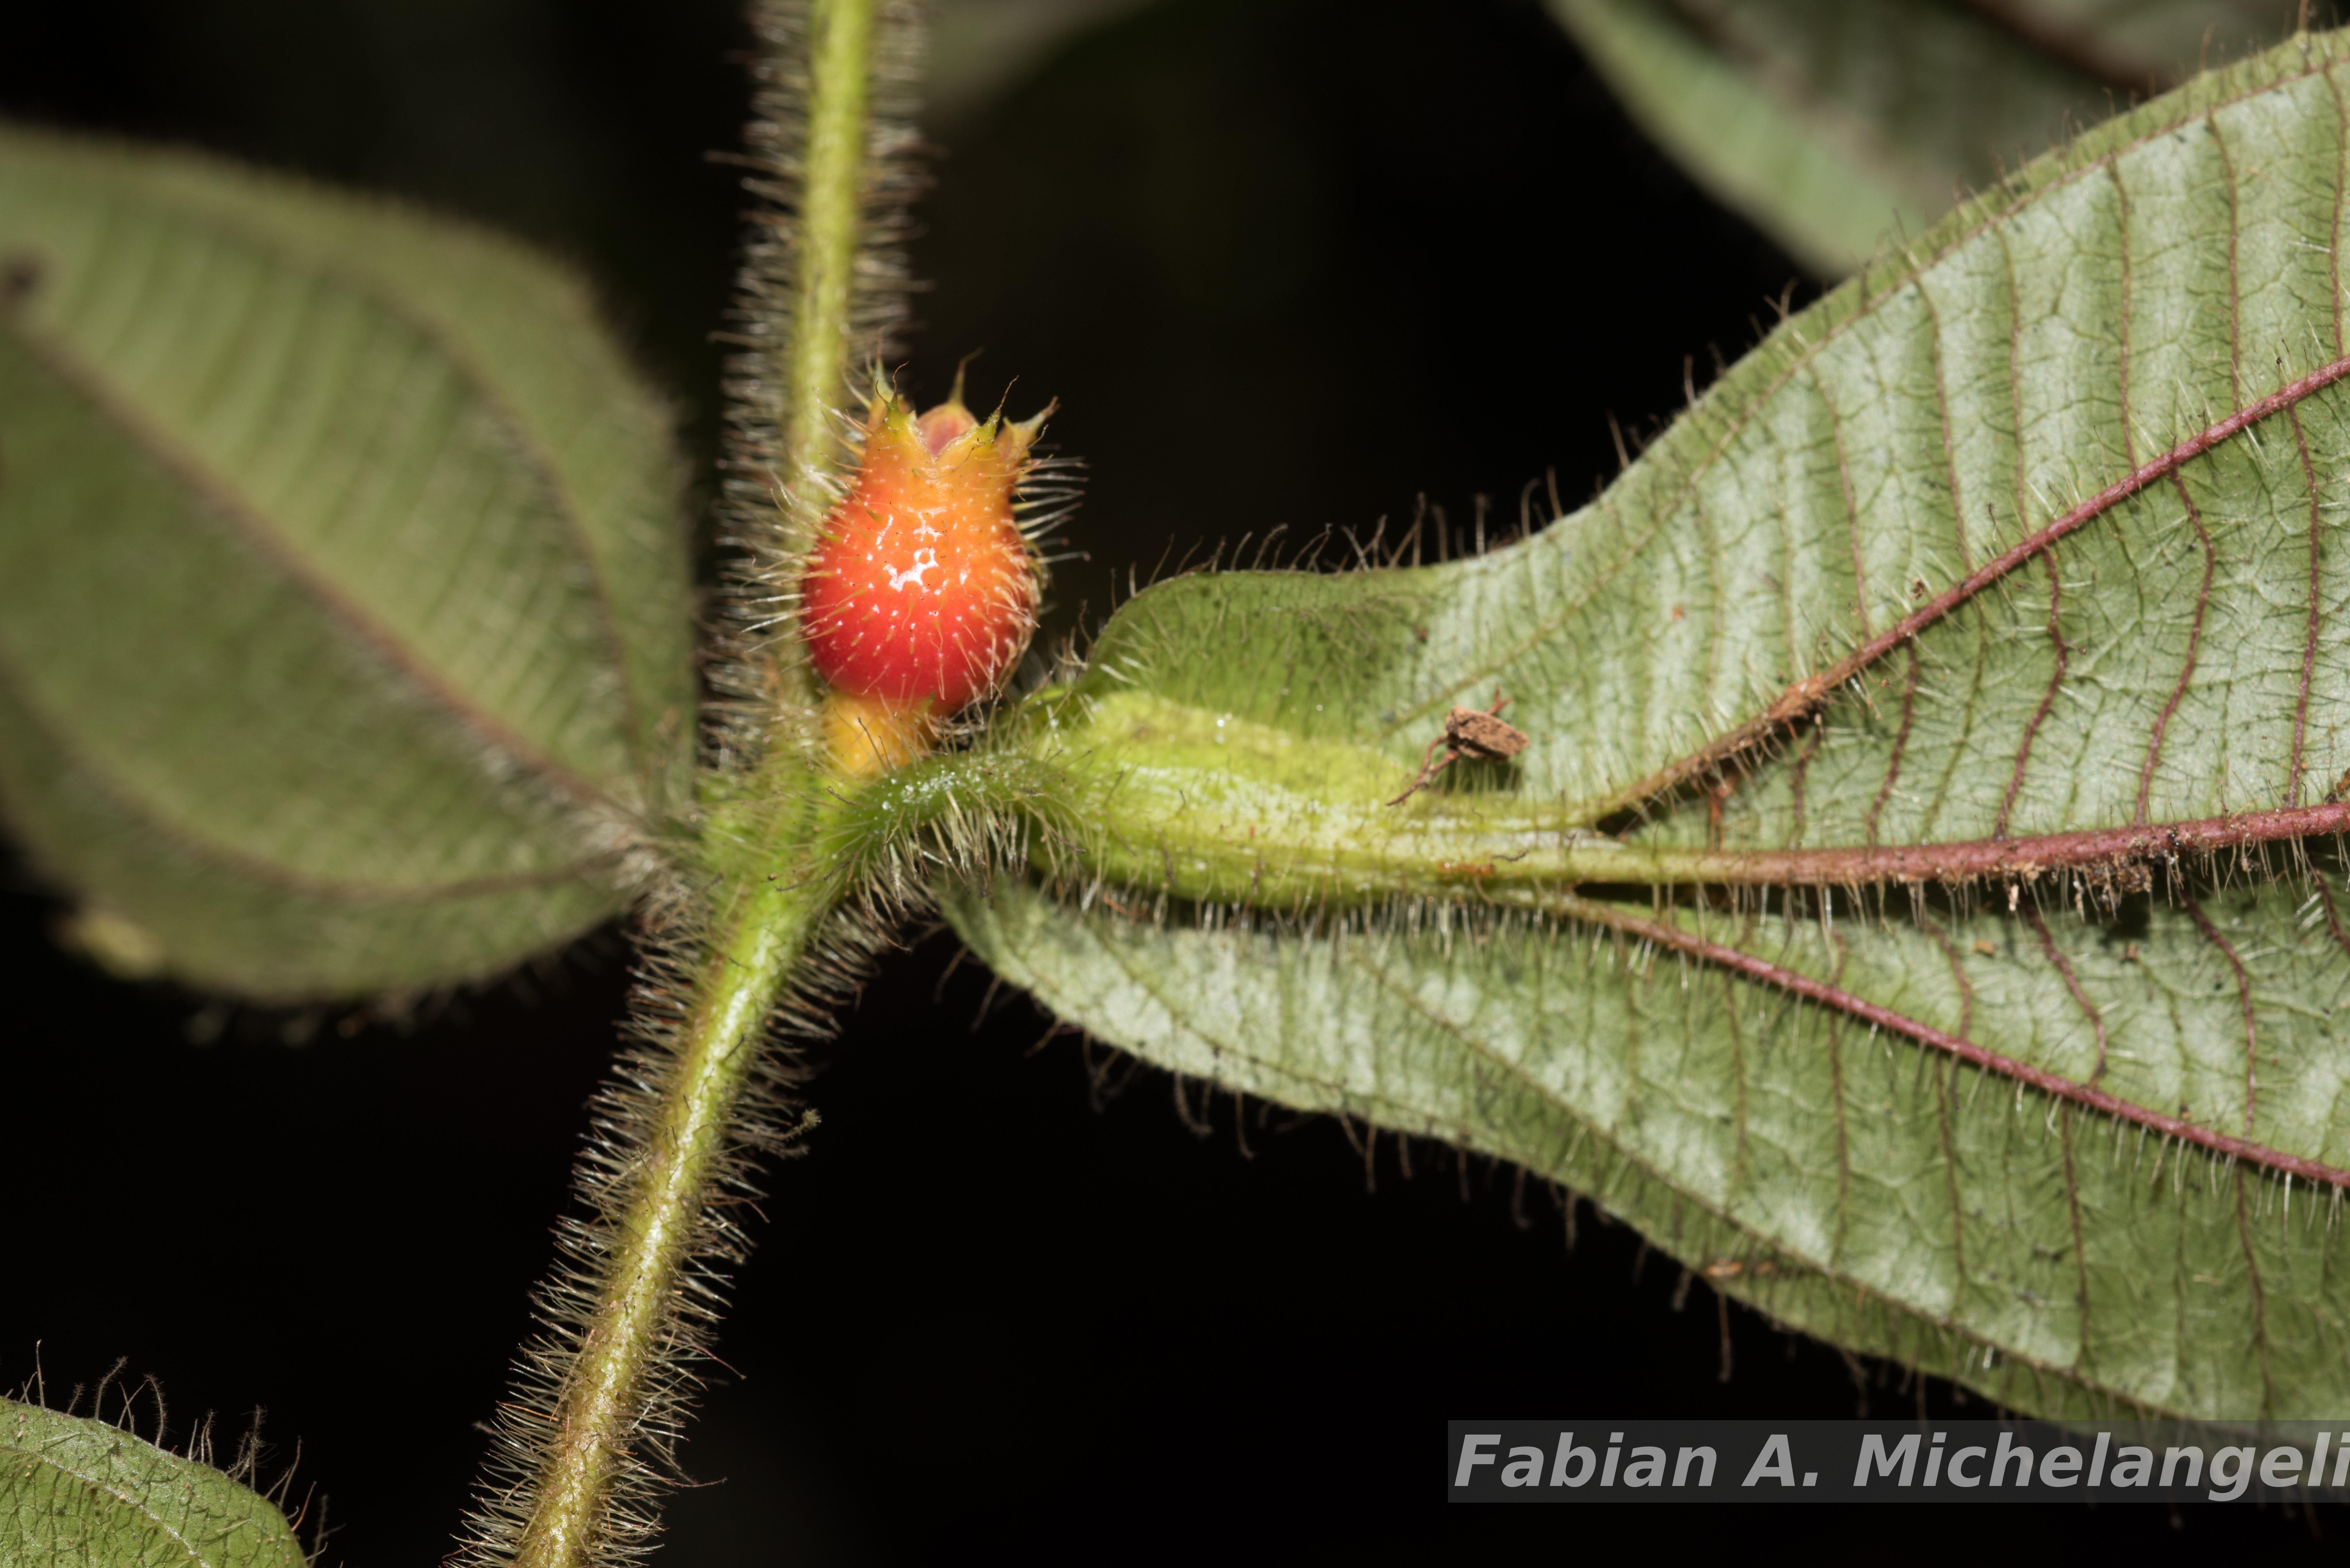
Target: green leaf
79, 1494
344, 634
1917, 903
982, 48
1829, 122
1893, 1201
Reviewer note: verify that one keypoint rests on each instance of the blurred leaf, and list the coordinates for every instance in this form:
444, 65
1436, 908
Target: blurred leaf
1811, 932
1829, 122
980, 49
345, 636
77, 1493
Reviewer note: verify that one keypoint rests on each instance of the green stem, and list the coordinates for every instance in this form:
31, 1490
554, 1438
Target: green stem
773, 890
1203, 804
840, 78
763, 927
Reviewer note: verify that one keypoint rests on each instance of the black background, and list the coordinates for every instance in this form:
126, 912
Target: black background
1288, 261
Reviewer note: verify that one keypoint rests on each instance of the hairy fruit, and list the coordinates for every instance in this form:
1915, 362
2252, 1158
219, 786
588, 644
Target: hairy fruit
921, 588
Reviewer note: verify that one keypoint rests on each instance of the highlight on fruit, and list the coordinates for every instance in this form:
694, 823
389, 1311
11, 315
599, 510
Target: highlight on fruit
921, 594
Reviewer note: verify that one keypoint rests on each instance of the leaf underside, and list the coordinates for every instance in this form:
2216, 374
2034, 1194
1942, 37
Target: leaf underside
344, 637
1831, 123
1967, 678
79, 1494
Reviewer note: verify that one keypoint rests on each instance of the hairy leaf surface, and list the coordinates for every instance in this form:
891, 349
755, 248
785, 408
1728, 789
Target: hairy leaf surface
1830, 122
76, 1493
1893, 1200
345, 639
1963, 683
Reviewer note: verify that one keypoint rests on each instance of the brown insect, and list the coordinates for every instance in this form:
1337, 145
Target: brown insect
1469, 734
20, 276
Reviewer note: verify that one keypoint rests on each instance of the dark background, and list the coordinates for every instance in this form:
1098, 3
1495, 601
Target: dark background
1283, 261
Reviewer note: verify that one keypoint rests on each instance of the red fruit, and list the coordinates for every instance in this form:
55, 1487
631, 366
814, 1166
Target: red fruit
922, 587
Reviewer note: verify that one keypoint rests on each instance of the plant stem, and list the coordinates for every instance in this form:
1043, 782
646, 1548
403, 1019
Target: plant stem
678, 1136
762, 930
840, 84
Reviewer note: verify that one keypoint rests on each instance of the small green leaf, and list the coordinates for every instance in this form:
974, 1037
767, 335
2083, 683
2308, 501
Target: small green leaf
344, 634
1831, 123
1883, 914
77, 1493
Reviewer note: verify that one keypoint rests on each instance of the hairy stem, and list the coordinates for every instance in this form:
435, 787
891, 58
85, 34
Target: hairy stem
1203, 804
603, 1394
759, 938
840, 86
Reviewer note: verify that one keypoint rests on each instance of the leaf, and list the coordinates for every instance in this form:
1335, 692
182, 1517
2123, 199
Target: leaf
982, 48
1829, 122
1893, 1201
79, 1493
344, 637
1917, 905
